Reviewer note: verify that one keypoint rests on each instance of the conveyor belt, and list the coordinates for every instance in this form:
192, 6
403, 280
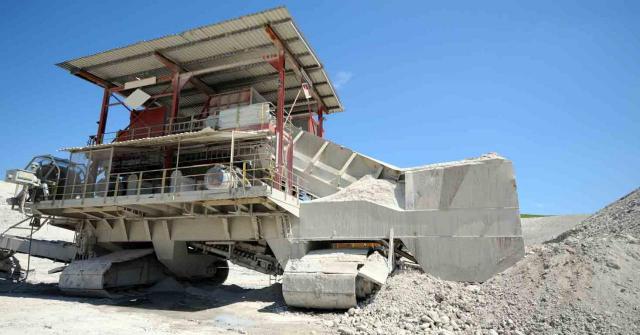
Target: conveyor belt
59, 251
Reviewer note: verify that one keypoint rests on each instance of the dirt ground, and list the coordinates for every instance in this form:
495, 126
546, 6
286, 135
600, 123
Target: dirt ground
248, 303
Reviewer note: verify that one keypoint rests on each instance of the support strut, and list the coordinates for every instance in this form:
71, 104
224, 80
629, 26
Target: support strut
104, 112
278, 64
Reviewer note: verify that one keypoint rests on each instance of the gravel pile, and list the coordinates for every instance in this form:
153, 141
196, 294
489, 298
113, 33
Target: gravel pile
540, 229
619, 218
584, 282
413, 302
381, 191
8, 216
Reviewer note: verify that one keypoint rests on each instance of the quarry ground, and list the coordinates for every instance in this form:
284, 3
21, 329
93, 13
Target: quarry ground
585, 281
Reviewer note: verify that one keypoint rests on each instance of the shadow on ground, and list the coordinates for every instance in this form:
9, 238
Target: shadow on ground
194, 297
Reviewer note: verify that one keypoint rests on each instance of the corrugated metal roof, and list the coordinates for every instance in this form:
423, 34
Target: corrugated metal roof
220, 43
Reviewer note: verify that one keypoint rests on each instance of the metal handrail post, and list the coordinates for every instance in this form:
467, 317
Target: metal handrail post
164, 176
139, 185
117, 188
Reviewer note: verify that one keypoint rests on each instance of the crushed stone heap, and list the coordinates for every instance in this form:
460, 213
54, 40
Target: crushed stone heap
583, 282
381, 191
619, 218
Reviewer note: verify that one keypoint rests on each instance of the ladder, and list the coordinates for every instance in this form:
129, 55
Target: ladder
59, 251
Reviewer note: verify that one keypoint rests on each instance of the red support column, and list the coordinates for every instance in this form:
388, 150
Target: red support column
175, 100
205, 109
320, 121
280, 116
104, 112
176, 85
278, 64
310, 126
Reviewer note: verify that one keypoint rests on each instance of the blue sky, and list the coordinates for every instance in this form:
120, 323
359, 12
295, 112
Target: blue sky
552, 85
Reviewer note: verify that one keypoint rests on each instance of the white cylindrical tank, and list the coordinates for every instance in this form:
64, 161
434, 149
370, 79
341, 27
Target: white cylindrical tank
217, 177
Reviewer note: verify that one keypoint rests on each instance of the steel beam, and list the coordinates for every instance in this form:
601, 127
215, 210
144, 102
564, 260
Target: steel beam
236, 83
294, 87
177, 68
93, 78
244, 82
279, 64
180, 78
280, 111
104, 112
310, 123
171, 65
267, 48
228, 66
159, 81
320, 120
297, 67
175, 99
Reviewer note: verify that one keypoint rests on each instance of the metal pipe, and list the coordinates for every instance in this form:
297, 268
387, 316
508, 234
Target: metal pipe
292, 105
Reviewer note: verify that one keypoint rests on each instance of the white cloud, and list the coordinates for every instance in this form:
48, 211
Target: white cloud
342, 78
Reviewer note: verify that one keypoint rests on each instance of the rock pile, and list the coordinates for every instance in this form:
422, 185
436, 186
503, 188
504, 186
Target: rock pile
381, 191
413, 302
583, 282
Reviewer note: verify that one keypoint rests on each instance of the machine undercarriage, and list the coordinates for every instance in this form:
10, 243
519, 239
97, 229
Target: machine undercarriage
240, 172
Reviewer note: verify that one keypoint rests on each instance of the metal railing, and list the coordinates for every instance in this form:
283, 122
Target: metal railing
165, 181
191, 124
213, 171
242, 167
174, 181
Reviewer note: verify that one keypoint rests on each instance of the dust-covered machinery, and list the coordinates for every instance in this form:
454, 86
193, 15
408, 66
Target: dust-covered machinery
224, 159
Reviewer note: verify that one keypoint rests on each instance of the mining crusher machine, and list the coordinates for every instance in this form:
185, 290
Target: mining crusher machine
224, 160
